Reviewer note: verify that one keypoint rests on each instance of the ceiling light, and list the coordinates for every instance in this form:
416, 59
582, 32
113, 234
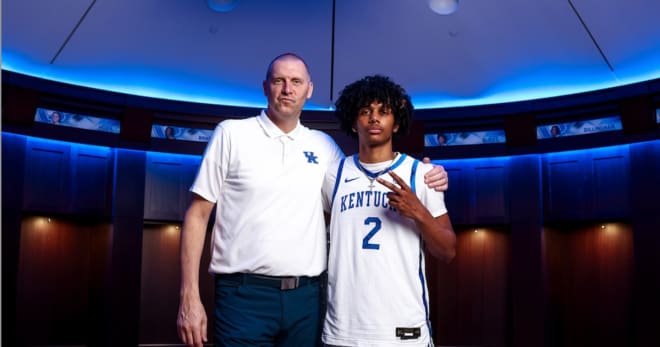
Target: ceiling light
443, 7
221, 5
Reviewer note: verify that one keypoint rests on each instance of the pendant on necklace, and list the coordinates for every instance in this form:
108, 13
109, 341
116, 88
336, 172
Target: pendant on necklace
371, 183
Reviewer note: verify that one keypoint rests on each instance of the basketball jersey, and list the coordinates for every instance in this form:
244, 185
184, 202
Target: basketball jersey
376, 278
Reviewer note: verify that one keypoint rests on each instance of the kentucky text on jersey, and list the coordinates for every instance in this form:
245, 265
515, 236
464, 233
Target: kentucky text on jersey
365, 198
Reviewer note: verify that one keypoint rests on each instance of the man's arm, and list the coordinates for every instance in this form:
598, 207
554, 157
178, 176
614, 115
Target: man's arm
437, 179
192, 320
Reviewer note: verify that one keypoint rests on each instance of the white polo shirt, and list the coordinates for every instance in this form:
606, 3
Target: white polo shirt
267, 186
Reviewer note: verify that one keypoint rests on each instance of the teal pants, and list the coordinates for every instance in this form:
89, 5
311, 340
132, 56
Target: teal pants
253, 311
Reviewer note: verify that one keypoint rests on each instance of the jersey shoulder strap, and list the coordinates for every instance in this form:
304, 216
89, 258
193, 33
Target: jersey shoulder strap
340, 169
413, 172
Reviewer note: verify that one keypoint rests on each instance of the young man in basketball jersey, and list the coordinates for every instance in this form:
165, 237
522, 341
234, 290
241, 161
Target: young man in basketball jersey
382, 218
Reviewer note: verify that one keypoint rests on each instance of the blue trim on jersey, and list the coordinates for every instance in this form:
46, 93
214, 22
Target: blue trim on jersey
423, 282
398, 162
373, 175
340, 168
413, 172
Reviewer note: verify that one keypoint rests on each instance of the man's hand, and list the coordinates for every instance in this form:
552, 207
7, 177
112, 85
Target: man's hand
191, 322
437, 178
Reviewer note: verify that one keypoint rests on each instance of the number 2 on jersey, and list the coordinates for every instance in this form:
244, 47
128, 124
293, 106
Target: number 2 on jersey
376, 227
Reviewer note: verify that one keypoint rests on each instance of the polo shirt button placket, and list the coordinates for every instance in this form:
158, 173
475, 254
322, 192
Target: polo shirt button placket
283, 142
286, 147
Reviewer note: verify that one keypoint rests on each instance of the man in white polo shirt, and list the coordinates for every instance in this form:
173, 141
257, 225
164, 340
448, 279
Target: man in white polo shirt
264, 173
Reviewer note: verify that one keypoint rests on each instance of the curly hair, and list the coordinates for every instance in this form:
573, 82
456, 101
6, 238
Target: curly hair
363, 92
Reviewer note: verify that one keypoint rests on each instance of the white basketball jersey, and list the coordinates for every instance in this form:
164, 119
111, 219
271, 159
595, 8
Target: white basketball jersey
377, 293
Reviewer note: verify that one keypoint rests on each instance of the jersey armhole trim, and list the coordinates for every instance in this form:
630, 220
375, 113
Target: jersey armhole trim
340, 168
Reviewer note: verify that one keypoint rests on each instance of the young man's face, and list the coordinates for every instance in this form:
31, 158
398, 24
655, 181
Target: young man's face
375, 124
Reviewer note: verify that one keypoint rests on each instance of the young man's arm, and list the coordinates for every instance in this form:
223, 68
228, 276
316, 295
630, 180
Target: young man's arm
437, 232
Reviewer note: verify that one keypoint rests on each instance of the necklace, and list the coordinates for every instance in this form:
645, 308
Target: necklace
370, 175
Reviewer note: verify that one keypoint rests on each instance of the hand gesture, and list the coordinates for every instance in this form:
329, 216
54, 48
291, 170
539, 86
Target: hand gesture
402, 198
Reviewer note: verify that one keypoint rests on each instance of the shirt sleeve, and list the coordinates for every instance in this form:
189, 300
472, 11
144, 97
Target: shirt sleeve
213, 168
329, 185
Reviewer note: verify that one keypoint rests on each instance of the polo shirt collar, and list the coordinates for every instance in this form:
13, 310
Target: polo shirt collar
273, 131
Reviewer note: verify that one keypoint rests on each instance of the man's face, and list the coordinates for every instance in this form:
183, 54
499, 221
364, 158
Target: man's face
287, 88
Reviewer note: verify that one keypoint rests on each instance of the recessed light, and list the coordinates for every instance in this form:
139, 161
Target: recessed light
221, 5
443, 7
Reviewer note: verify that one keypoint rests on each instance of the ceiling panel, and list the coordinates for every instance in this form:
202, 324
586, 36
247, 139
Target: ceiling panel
35, 30
628, 34
487, 52
510, 47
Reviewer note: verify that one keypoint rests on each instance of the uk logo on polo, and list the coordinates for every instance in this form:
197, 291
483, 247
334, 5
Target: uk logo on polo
311, 157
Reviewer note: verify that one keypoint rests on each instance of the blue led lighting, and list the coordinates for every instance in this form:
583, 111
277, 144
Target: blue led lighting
142, 82
576, 153
521, 86
501, 160
560, 84
45, 143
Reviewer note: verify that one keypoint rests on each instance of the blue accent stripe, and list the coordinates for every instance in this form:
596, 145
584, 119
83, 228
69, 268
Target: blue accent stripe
373, 175
413, 172
337, 179
423, 283
402, 157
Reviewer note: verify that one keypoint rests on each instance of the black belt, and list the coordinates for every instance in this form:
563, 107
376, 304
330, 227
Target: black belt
280, 282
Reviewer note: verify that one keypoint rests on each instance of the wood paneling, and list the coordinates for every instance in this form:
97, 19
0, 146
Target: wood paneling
60, 281
589, 273
18, 104
66, 178
159, 299
456, 197
136, 125
168, 179
526, 281
163, 193
123, 300
13, 162
468, 297
637, 114
479, 192
47, 177
565, 189
587, 186
492, 193
610, 198
645, 211
91, 181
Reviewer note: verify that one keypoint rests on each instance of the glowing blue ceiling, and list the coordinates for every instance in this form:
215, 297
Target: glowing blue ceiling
487, 52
